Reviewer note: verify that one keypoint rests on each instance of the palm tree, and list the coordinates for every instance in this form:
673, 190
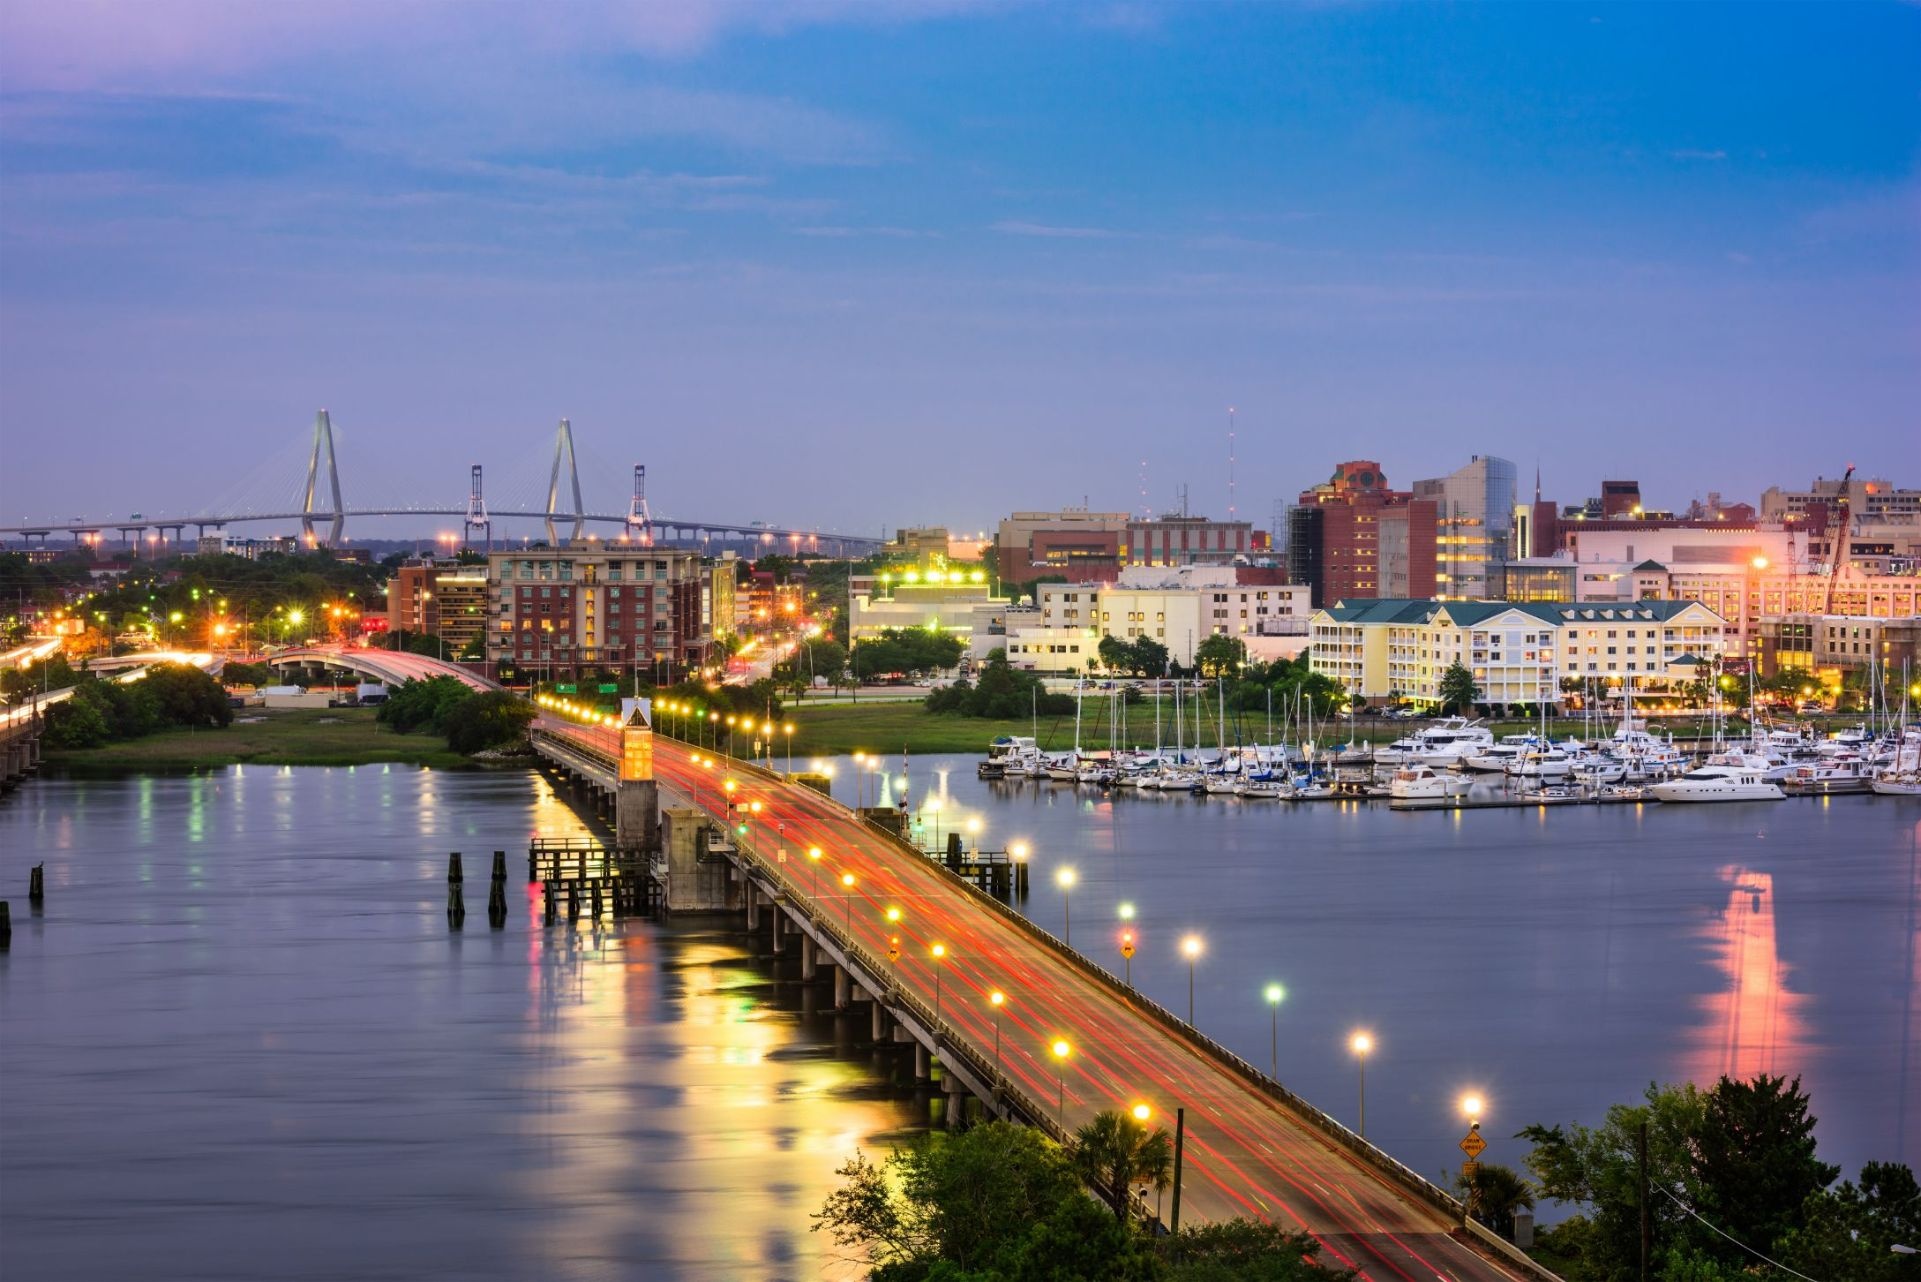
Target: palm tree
1114, 1150
1495, 1193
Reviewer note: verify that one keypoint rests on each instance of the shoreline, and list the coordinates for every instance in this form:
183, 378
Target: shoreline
262, 737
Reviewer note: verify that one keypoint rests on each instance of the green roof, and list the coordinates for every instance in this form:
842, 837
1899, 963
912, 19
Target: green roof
1474, 613
1650, 565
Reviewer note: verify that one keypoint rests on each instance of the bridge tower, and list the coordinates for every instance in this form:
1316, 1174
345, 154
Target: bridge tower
323, 448
477, 518
640, 523
564, 449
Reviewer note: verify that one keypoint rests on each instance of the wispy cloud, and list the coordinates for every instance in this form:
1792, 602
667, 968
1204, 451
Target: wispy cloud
851, 233
1697, 153
1020, 227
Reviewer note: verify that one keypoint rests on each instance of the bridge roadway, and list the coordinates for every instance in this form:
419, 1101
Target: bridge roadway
1248, 1152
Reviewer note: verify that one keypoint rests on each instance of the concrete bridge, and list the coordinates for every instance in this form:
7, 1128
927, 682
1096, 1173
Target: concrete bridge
925, 952
390, 667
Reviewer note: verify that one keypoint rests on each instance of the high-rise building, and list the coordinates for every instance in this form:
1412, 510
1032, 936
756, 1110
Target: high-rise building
1073, 542
443, 599
1353, 537
1179, 539
1474, 511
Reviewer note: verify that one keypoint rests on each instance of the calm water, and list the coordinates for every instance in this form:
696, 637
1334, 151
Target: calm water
1555, 960
241, 1043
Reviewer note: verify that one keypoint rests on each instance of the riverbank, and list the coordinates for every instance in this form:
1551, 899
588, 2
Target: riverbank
280, 737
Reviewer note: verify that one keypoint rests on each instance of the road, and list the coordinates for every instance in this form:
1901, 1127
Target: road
1246, 1153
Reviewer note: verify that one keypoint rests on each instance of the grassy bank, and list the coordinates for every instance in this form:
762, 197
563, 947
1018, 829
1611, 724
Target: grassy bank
844, 728
287, 737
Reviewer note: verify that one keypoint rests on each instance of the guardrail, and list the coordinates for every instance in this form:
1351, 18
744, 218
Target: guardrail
1509, 1252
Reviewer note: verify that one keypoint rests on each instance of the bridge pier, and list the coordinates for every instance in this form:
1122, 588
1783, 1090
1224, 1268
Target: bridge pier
880, 1021
809, 959
923, 1064
843, 988
753, 908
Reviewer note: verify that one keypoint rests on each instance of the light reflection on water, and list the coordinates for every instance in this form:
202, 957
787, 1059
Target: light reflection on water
242, 1043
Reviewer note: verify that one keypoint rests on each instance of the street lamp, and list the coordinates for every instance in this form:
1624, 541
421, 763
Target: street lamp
1061, 1051
937, 952
1065, 878
788, 730
1361, 1043
813, 861
847, 884
1275, 994
1191, 949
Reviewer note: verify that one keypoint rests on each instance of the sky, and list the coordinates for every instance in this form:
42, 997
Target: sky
848, 265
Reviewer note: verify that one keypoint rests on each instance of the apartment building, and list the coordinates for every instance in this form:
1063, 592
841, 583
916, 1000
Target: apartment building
589, 605
1518, 652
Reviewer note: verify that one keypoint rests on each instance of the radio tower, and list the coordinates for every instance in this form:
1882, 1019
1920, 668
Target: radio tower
1230, 463
477, 518
640, 524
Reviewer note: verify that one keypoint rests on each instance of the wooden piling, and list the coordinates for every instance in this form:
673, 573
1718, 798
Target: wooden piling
456, 906
497, 893
37, 884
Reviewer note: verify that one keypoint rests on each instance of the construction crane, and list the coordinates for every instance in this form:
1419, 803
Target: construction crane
1838, 544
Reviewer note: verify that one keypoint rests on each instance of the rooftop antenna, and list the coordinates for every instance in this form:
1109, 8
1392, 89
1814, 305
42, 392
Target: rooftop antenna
1230, 463
1147, 508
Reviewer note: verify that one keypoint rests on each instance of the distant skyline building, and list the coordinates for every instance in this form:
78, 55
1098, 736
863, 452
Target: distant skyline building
1474, 510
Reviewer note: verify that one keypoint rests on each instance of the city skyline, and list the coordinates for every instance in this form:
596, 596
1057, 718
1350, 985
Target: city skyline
1673, 245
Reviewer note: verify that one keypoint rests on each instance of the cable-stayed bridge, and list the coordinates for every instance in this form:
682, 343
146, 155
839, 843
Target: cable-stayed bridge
280, 490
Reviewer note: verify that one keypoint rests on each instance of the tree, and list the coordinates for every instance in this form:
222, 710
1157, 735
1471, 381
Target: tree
486, 721
1220, 655
1848, 1231
1754, 1162
1115, 1150
1496, 1192
412, 705
1598, 1169
1458, 690
1242, 1250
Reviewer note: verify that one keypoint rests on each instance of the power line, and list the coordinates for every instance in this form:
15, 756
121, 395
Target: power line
1744, 1246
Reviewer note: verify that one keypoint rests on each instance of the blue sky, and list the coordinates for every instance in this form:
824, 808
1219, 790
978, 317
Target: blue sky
853, 265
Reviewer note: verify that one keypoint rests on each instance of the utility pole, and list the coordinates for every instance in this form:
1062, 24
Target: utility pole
1647, 1225
1180, 1145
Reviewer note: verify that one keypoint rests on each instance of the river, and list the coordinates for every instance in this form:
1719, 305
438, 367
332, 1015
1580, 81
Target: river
241, 1042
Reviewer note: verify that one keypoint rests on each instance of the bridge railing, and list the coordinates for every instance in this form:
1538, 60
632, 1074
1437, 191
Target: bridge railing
1383, 1163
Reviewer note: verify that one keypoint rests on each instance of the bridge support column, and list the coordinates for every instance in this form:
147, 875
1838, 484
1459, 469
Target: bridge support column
880, 1021
809, 958
956, 1098
778, 941
923, 1063
843, 989
753, 908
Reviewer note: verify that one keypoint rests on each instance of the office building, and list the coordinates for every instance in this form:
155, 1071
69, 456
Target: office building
1474, 508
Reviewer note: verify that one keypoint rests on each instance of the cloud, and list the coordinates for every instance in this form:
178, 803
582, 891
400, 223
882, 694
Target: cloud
1018, 227
1693, 153
849, 233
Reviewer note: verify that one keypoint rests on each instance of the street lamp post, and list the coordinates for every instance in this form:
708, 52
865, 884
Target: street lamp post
1065, 878
788, 730
937, 952
1126, 911
847, 884
1191, 949
1275, 995
1061, 1051
1361, 1043
813, 862
997, 999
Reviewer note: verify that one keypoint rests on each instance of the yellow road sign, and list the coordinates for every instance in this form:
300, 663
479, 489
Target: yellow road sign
1473, 1145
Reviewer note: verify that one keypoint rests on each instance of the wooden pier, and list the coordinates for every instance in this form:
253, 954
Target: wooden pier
583, 875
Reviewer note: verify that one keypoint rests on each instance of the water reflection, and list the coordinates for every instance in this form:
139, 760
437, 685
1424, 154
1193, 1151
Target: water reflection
271, 1059
1754, 1024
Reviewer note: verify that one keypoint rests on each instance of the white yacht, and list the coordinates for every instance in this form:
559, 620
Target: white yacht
1541, 763
1718, 783
1421, 782
1497, 757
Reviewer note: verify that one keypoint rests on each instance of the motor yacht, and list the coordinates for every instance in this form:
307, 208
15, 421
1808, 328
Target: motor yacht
1718, 783
1421, 782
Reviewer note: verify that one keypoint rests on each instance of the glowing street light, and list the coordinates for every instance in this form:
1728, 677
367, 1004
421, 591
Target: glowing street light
1141, 1113
813, 860
1361, 1043
1471, 1107
1065, 879
1061, 1050
1275, 994
1191, 948
847, 884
